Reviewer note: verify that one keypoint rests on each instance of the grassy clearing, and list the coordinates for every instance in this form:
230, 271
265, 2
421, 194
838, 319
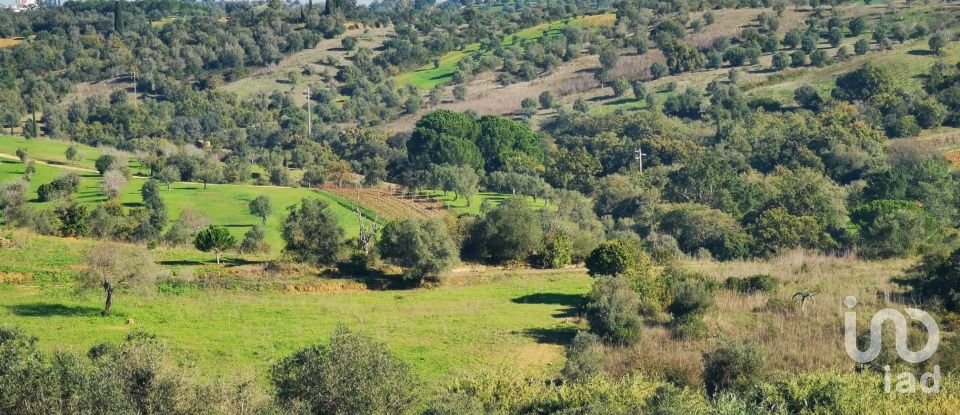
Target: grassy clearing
53, 151
908, 63
46, 259
514, 323
224, 204
428, 76
8, 42
516, 320
159, 24
309, 66
460, 205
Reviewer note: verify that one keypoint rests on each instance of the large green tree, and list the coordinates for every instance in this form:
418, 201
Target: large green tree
312, 233
350, 375
509, 232
261, 206
867, 81
423, 248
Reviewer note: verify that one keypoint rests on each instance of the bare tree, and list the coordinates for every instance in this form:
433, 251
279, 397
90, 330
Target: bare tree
368, 232
110, 265
113, 183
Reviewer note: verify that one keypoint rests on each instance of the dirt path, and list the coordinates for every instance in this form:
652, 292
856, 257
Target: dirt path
52, 164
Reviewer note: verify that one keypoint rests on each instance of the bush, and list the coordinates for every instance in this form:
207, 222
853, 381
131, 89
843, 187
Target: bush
759, 283
423, 248
613, 310
584, 357
350, 375
135, 376
779, 306
557, 251
254, 241
692, 295
509, 232
733, 367
312, 233
936, 280
61, 187
690, 328
613, 258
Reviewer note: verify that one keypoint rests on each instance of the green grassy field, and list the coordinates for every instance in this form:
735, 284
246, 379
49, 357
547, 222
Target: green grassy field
428, 76
509, 322
224, 204
908, 63
461, 206
53, 151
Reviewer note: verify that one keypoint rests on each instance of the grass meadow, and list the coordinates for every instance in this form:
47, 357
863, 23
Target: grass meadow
223, 204
485, 321
54, 152
460, 205
429, 76
478, 319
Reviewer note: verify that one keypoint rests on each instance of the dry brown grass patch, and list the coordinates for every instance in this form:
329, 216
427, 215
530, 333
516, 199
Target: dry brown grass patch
792, 340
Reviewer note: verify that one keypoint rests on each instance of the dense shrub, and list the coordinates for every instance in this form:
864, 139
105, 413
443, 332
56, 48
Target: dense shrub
894, 228
613, 310
350, 375
584, 357
134, 377
509, 232
759, 283
732, 367
423, 248
936, 280
59, 188
691, 296
697, 226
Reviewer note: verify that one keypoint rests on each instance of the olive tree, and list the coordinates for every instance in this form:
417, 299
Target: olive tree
350, 375
261, 206
423, 248
312, 233
112, 265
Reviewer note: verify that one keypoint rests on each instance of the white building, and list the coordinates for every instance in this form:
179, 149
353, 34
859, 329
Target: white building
22, 5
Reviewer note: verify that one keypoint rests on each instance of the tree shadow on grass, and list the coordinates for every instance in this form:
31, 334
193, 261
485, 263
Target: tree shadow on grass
51, 309
921, 52
571, 302
550, 298
225, 261
620, 101
551, 335
375, 280
601, 98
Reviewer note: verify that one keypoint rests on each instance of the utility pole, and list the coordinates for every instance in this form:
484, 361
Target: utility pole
309, 115
135, 71
638, 155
